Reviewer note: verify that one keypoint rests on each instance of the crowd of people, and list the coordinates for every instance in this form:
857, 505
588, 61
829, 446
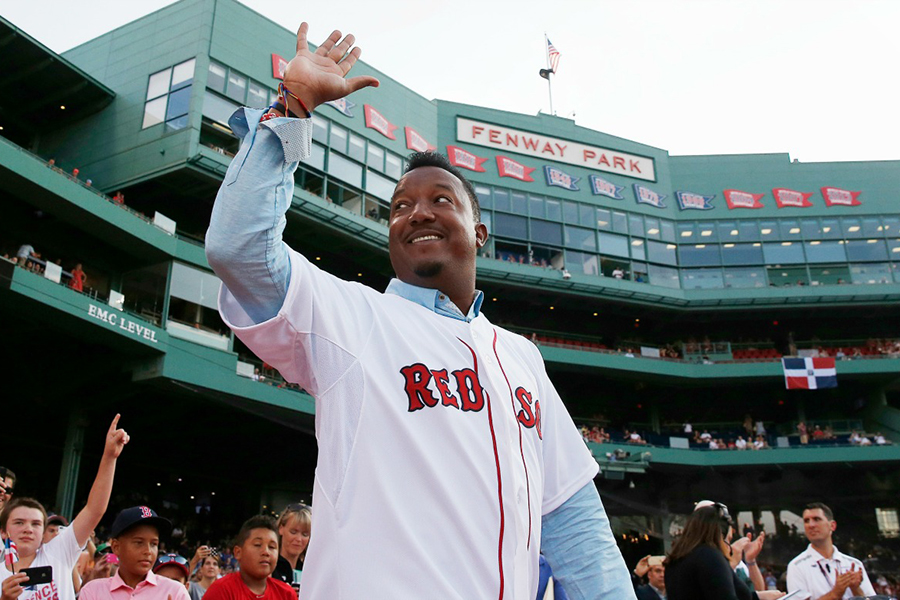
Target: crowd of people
30, 259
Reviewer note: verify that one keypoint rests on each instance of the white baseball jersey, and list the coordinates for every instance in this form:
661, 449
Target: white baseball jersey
813, 573
441, 443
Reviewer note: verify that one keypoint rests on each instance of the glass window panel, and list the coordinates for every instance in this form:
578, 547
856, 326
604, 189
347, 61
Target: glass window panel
215, 80
357, 148
587, 215
183, 74
379, 186
179, 103
831, 229
660, 252
686, 233
749, 231
768, 231
487, 220
546, 232
619, 222
695, 255
667, 231
512, 226
652, 228
536, 206
894, 248
787, 253
663, 276
745, 277
258, 96
639, 272
320, 129
787, 277
273, 97
616, 245
829, 275
706, 232
159, 84
177, 123
852, 227
570, 212
519, 204
728, 231
338, 138
891, 225
218, 108
237, 87
742, 254
702, 279
810, 229
821, 251
581, 262
862, 250
638, 250
871, 273
484, 197
154, 112
195, 285
604, 219
316, 158
344, 169
554, 210
375, 158
636, 225
790, 229
393, 165
871, 227
501, 200
583, 239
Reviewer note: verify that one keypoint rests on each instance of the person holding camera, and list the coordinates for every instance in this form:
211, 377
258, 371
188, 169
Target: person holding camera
697, 566
23, 521
652, 568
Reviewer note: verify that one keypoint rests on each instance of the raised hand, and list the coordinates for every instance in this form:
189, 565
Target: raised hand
642, 567
12, 586
752, 549
320, 76
115, 440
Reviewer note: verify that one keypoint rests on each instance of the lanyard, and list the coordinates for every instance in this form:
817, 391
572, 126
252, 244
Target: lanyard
819, 564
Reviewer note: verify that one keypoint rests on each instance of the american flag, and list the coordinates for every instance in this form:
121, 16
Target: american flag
553, 55
11, 554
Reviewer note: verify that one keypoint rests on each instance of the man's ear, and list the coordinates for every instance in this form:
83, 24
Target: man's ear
481, 235
236, 552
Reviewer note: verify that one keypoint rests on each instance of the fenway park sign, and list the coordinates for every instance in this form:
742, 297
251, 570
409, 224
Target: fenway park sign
529, 143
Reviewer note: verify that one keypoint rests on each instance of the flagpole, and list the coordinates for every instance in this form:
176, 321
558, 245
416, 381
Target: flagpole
549, 71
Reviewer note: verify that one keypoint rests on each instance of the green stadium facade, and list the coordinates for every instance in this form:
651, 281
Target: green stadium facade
660, 289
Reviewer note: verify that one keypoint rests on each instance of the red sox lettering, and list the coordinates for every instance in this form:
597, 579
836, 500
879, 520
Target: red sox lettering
426, 387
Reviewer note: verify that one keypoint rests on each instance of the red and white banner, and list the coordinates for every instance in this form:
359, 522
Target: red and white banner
507, 167
465, 159
416, 141
739, 199
786, 198
839, 197
375, 120
279, 64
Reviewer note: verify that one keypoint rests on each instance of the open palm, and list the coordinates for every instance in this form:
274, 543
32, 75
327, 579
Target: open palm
320, 76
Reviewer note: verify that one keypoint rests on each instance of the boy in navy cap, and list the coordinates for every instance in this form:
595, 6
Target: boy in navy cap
135, 541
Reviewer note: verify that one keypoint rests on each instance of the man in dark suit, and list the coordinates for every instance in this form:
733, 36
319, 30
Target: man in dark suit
653, 569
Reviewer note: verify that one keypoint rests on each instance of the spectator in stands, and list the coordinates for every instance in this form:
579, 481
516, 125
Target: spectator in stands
135, 541
25, 253
119, 198
174, 567
294, 529
854, 437
880, 440
801, 430
256, 550
740, 443
618, 273
55, 524
760, 428
634, 437
817, 433
7, 486
23, 521
705, 437
821, 570
713, 444
78, 278
207, 575
829, 433
652, 568
760, 443
697, 566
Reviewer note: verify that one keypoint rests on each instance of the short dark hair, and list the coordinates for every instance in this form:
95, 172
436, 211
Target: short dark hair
257, 522
823, 507
436, 159
19, 502
4, 473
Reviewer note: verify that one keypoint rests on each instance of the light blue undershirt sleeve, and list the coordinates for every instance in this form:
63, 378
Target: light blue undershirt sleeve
243, 243
579, 546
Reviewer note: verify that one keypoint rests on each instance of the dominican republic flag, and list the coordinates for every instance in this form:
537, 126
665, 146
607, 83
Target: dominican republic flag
809, 373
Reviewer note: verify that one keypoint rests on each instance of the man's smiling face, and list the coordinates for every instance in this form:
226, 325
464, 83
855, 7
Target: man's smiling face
433, 234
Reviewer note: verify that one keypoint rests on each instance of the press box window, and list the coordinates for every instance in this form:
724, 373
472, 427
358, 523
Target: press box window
169, 96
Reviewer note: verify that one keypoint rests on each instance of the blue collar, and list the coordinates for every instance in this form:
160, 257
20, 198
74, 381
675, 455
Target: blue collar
435, 300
